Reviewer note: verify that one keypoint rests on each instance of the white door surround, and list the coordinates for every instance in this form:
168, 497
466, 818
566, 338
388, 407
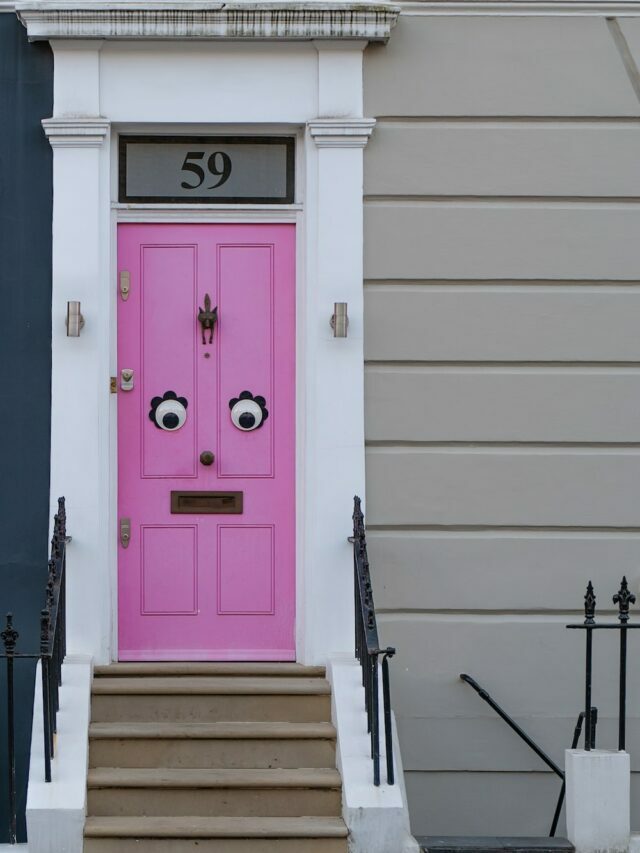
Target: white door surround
141, 66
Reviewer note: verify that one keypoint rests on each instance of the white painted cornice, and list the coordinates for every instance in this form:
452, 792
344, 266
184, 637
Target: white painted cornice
76, 132
341, 132
196, 19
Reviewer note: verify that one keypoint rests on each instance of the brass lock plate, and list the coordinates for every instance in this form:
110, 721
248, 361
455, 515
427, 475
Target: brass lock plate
125, 532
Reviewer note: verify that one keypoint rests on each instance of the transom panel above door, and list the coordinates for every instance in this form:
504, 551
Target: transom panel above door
206, 442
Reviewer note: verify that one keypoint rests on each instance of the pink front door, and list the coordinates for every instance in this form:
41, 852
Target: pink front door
206, 442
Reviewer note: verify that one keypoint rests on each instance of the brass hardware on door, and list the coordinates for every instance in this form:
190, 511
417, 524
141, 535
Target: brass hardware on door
125, 532
125, 285
126, 379
207, 317
207, 457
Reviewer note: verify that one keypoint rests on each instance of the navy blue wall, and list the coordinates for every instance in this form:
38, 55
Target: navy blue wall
26, 97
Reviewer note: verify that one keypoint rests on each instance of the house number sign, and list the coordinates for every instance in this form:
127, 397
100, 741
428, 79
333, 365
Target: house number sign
207, 169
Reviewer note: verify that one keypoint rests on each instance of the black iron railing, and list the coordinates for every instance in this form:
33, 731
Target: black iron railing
623, 598
51, 655
530, 742
368, 651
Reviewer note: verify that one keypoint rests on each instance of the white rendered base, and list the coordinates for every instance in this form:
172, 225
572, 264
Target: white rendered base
56, 811
598, 800
378, 818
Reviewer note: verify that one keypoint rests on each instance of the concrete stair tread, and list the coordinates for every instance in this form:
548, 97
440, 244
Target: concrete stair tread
215, 827
210, 685
213, 731
493, 844
133, 777
191, 668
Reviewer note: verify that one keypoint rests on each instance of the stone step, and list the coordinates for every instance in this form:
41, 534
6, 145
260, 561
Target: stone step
239, 793
215, 835
493, 844
190, 668
226, 744
210, 699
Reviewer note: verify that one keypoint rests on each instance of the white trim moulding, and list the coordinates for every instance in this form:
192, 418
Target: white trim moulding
155, 19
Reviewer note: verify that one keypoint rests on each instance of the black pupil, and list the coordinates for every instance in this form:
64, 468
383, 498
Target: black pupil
247, 420
170, 420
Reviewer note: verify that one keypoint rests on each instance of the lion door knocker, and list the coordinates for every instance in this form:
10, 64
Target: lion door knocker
248, 412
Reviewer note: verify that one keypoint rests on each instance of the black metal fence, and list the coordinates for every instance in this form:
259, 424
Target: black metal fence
368, 651
51, 655
623, 598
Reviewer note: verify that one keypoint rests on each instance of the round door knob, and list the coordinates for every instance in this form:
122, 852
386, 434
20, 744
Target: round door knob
207, 457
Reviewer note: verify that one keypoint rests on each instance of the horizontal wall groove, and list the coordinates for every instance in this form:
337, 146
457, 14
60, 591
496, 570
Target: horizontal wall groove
481, 365
376, 444
379, 368
558, 613
563, 617
510, 120
504, 449
515, 201
408, 285
543, 529
507, 122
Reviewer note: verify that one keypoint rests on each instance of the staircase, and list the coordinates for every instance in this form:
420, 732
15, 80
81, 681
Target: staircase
212, 758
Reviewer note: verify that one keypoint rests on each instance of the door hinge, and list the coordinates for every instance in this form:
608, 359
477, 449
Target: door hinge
125, 285
113, 385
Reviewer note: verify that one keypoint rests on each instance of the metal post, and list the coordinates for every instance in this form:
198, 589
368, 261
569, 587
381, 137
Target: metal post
589, 621
623, 598
10, 638
375, 721
386, 695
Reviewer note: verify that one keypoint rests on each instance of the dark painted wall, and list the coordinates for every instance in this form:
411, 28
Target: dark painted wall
26, 97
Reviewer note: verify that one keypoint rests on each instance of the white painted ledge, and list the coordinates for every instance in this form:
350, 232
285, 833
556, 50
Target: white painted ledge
377, 817
56, 811
175, 19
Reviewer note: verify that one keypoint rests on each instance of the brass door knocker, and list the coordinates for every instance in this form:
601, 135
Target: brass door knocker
208, 318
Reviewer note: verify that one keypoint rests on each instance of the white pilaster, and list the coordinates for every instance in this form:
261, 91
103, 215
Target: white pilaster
80, 374
334, 380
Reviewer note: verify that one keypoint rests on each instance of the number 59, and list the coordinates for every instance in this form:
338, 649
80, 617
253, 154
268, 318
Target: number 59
218, 165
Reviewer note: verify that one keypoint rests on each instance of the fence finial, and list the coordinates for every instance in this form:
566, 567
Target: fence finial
589, 605
623, 598
9, 636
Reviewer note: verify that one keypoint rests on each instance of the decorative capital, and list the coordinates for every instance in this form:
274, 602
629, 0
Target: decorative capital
341, 132
76, 131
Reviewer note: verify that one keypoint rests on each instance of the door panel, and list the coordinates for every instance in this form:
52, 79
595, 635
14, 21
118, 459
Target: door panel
201, 585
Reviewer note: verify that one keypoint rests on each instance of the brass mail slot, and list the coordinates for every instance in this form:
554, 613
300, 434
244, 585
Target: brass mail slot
201, 503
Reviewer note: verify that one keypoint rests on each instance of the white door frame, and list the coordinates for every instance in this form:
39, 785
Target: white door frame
102, 86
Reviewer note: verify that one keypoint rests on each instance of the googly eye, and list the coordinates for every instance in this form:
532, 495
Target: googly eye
247, 415
168, 412
248, 412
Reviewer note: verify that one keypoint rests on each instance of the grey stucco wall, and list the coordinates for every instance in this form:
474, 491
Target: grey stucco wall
502, 299
26, 96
